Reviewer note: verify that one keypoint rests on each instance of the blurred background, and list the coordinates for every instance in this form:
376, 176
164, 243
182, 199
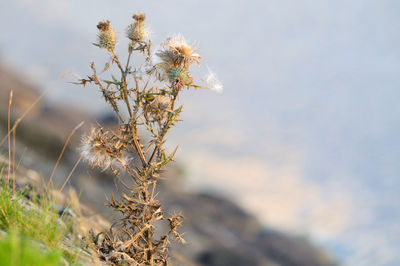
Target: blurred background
305, 136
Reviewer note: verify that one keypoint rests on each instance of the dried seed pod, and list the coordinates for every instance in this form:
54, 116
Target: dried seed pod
107, 38
176, 53
102, 149
137, 31
159, 107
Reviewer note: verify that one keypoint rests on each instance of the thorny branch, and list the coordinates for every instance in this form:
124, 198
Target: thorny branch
132, 240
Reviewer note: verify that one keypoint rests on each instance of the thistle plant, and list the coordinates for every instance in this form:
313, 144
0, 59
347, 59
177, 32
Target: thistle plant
144, 98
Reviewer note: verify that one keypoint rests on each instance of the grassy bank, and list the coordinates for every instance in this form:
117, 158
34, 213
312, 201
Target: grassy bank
33, 231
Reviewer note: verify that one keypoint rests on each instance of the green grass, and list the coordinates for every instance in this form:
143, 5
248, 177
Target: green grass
18, 250
37, 220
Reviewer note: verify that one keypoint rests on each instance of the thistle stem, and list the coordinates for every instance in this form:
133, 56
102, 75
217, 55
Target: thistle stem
98, 82
125, 91
124, 84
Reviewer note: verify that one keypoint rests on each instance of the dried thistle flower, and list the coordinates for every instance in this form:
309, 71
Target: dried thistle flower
101, 149
159, 106
176, 52
107, 38
137, 31
135, 240
140, 17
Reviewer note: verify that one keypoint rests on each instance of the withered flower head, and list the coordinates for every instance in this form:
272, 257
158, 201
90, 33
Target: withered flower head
106, 37
104, 25
137, 31
139, 17
102, 149
159, 106
176, 52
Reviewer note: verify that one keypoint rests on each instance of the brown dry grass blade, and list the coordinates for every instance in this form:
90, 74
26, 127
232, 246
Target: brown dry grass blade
63, 150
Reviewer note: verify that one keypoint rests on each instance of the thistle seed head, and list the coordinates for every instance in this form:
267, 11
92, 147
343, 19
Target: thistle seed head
185, 50
176, 52
106, 37
104, 25
139, 17
101, 149
159, 106
181, 48
137, 31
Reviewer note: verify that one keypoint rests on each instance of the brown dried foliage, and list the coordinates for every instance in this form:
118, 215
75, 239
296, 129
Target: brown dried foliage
135, 239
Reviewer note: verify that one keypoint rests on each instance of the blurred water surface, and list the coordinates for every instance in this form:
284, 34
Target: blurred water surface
305, 135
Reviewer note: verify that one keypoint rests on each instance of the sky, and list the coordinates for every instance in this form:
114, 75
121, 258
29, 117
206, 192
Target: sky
305, 134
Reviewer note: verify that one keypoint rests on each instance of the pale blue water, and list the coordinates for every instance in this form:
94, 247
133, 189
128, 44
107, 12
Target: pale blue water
309, 114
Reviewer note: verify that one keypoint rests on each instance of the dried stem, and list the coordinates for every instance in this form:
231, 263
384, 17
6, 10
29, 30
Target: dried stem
62, 151
8, 134
132, 240
98, 83
13, 160
70, 173
124, 84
